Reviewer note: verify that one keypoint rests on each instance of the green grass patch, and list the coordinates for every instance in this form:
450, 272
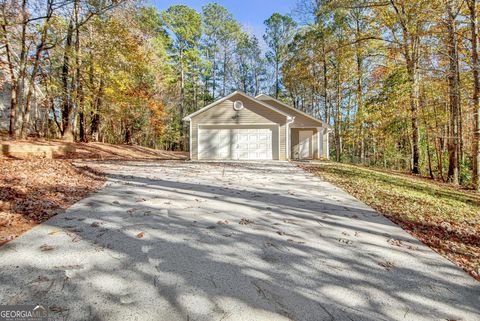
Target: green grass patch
443, 216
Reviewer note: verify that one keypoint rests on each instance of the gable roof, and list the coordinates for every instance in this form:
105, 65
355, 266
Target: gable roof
292, 108
189, 117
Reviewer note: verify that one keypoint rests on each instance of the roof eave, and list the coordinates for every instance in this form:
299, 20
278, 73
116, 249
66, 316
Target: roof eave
299, 111
189, 117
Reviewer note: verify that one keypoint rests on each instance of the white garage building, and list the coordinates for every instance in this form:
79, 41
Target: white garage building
241, 127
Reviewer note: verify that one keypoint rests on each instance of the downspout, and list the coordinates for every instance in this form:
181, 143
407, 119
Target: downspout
289, 121
189, 136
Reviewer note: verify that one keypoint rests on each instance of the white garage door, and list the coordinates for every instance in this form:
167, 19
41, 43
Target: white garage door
235, 143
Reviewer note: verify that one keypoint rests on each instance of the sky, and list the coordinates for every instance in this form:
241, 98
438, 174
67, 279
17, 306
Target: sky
250, 13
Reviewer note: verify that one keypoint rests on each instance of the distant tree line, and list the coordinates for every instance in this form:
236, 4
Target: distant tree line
397, 80
121, 72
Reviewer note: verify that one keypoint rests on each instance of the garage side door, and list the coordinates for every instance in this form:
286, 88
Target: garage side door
235, 143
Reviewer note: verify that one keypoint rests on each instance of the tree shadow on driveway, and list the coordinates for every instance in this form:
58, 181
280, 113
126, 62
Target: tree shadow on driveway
164, 243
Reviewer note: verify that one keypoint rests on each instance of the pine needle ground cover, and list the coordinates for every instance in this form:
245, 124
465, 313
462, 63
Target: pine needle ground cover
445, 218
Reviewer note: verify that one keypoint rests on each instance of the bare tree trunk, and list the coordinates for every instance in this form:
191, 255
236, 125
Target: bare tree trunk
461, 154
224, 89
429, 156
13, 87
360, 109
438, 149
359, 62
36, 66
182, 87
472, 6
214, 83
182, 101
325, 85
20, 86
206, 81
81, 121
128, 135
66, 99
348, 124
95, 125
195, 98
410, 46
454, 99
338, 137
414, 93
55, 118
256, 77
438, 145
205, 91
79, 95
277, 77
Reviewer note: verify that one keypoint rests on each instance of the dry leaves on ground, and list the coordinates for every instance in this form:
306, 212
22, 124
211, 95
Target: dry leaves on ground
245, 221
32, 191
97, 150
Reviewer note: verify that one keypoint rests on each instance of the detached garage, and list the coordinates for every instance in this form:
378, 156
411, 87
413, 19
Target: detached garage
240, 127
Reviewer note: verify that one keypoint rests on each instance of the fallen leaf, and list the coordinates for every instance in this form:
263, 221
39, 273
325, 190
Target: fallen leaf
245, 221
388, 265
46, 247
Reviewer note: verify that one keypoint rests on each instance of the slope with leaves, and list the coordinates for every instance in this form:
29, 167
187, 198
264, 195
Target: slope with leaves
32, 191
444, 217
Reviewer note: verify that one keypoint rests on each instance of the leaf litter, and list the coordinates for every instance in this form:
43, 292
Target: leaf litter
34, 190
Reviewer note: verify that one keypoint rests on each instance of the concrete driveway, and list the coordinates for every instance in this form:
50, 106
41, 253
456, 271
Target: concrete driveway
214, 241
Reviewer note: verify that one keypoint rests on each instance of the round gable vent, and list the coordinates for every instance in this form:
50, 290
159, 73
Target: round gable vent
238, 105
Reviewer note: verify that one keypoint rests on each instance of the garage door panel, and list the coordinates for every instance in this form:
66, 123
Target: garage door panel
262, 155
259, 143
223, 138
224, 144
241, 146
208, 141
263, 146
243, 155
235, 143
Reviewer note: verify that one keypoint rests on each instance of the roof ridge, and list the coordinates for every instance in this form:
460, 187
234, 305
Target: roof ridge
218, 101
